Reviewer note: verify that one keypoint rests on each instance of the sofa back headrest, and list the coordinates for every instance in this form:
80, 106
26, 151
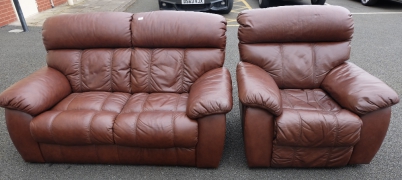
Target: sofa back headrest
87, 31
171, 29
295, 24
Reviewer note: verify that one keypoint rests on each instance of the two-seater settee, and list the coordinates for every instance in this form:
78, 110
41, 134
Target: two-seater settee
121, 88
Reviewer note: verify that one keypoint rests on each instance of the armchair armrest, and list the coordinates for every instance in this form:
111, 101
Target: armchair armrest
210, 94
357, 90
37, 92
258, 89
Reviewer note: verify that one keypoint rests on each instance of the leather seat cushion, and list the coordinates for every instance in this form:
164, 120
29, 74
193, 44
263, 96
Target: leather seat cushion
156, 120
140, 120
310, 118
313, 131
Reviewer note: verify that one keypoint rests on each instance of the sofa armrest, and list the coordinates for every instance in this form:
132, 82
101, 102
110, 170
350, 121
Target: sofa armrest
357, 90
210, 94
36, 93
258, 89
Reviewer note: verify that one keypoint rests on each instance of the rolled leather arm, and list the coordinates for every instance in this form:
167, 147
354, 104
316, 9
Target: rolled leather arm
258, 89
210, 94
357, 90
37, 92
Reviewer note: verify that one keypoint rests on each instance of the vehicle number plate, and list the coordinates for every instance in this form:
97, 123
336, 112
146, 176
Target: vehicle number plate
192, 1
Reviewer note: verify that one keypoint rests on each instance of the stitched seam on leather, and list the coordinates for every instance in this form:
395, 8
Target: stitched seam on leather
182, 71
173, 132
307, 97
111, 70
314, 63
104, 101
69, 103
173, 119
131, 70
143, 104
135, 125
294, 155
337, 129
300, 136
148, 89
315, 99
138, 118
114, 123
50, 128
90, 128
287, 97
336, 137
282, 68
297, 97
80, 69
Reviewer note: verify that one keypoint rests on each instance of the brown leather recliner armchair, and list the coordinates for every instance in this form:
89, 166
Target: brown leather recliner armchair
302, 103
121, 88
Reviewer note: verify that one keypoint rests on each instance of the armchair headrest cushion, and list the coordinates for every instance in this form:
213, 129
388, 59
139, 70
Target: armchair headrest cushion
307, 23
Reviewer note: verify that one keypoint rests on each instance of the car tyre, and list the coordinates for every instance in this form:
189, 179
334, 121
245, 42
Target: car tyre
230, 6
368, 2
318, 2
264, 3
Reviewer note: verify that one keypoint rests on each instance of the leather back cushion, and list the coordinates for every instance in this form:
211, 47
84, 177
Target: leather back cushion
175, 29
297, 46
134, 70
167, 52
84, 31
296, 65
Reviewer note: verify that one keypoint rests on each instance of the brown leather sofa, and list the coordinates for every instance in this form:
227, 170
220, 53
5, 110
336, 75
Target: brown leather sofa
302, 103
121, 88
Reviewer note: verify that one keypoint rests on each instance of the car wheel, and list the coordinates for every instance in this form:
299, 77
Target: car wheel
264, 3
318, 2
368, 2
230, 6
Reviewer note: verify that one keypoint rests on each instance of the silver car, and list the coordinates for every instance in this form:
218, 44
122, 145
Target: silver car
373, 2
217, 6
268, 3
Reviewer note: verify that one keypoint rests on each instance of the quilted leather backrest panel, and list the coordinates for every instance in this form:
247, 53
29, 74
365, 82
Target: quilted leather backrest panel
171, 29
94, 69
296, 45
171, 69
296, 65
83, 31
157, 52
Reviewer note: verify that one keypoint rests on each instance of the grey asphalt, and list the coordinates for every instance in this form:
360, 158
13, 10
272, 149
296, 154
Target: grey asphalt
376, 47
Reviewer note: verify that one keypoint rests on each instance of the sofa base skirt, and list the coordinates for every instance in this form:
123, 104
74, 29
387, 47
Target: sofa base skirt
112, 154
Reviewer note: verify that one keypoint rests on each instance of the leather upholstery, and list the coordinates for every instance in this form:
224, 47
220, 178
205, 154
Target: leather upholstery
125, 88
36, 93
361, 92
155, 30
304, 24
258, 89
302, 105
202, 100
87, 31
